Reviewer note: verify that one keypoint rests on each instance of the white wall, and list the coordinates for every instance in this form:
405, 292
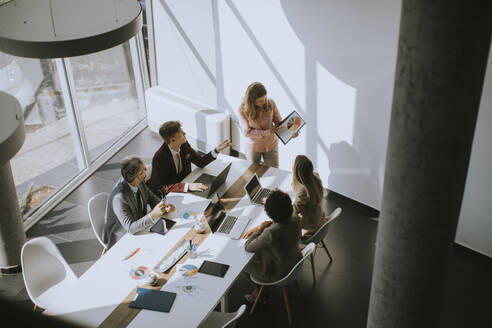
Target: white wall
475, 224
331, 60
184, 44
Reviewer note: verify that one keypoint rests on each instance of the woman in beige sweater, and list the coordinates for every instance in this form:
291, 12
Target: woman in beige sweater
309, 195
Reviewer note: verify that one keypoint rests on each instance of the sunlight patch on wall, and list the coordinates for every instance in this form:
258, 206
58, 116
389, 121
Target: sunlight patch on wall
336, 108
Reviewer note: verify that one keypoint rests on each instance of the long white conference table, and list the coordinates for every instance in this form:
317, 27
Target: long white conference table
101, 290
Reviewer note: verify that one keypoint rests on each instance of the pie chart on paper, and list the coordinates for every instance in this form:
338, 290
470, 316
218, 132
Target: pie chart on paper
139, 273
294, 123
188, 214
188, 270
189, 289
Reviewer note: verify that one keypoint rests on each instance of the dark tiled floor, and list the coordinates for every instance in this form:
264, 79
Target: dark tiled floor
341, 295
68, 224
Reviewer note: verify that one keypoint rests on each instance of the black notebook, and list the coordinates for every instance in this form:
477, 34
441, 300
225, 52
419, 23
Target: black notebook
213, 268
151, 299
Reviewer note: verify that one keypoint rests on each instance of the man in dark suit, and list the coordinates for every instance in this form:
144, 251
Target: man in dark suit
126, 210
172, 161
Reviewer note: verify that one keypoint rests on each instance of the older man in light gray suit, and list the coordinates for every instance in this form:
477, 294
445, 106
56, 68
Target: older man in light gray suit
127, 204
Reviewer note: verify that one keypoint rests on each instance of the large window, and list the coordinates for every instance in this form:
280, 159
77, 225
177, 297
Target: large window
74, 110
106, 96
46, 161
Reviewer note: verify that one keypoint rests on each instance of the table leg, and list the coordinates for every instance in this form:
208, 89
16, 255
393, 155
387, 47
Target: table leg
223, 302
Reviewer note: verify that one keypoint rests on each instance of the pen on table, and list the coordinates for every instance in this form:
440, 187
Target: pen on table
131, 254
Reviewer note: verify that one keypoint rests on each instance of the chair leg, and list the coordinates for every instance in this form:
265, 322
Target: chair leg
312, 268
104, 251
299, 289
256, 300
287, 306
326, 249
35, 307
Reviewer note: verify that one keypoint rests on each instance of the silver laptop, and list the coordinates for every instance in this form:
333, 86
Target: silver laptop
226, 225
255, 192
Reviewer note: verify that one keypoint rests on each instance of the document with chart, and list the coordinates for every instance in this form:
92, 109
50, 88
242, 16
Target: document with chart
290, 125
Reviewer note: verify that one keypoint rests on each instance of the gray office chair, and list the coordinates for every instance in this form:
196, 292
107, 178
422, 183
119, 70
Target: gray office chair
221, 319
285, 281
318, 237
97, 209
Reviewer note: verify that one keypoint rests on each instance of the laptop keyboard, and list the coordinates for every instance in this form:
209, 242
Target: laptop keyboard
205, 178
262, 194
174, 257
203, 193
228, 223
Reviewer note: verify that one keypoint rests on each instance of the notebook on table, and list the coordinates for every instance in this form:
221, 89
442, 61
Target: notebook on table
152, 299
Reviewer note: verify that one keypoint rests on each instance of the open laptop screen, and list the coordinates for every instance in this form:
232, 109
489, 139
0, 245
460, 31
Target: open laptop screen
213, 211
216, 220
253, 186
220, 179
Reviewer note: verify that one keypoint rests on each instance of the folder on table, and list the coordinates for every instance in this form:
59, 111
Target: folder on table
151, 299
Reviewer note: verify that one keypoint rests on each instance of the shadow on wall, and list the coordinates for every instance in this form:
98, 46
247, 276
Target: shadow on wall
356, 41
348, 171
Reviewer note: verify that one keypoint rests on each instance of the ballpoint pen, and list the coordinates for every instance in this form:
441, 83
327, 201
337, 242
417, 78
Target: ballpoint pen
131, 254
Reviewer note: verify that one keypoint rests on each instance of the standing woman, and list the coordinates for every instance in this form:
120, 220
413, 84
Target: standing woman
259, 118
309, 195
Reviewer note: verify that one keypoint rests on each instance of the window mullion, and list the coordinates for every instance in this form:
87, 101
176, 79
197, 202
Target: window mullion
67, 84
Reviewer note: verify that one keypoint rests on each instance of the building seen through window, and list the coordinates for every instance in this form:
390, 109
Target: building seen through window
106, 106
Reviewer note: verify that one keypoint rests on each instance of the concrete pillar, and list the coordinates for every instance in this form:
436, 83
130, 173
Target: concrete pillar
442, 56
12, 235
12, 136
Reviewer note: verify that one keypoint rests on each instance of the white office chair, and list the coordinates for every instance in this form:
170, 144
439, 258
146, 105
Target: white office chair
318, 237
97, 209
285, 281
46, 273
223, 320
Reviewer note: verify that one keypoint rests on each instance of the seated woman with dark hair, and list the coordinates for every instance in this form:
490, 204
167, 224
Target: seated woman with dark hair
275, 243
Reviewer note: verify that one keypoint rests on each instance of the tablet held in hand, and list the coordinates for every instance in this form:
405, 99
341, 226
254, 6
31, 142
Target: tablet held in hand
289, 127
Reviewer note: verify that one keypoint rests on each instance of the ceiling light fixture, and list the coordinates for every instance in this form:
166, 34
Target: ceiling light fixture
66, 28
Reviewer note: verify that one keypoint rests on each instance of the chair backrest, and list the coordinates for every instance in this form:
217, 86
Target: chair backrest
97, 209
43, 267
232, 323
334, 214
323, 230
291, 276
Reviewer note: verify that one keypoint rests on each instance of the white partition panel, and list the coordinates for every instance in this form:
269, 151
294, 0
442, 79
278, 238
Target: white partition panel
206, 126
